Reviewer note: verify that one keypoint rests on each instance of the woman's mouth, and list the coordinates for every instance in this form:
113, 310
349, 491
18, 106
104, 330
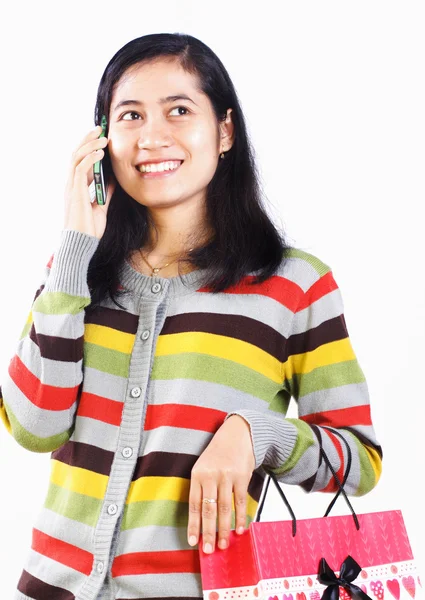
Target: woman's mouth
159, 170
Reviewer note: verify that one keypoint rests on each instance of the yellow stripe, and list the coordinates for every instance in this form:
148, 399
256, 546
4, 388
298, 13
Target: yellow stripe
221, 346
170, 488
327, 354
4, 417
375, 461
159, 488
78, 480
109, 338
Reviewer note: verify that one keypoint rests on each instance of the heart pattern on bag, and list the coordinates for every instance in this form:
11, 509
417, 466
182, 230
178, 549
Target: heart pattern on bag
393, 586
409, 585
377, 589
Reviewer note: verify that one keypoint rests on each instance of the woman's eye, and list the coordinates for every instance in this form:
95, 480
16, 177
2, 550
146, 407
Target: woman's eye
129, 113
183, 107
135, 113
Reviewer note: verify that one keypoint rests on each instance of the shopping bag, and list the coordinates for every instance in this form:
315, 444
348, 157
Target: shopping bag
365, 556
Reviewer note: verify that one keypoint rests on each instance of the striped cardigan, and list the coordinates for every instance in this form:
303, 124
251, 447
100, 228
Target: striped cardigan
127, 400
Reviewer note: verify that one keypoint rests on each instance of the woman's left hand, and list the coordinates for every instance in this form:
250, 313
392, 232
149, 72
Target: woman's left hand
225, 467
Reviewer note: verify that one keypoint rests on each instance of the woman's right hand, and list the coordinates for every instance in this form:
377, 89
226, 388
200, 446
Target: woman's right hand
80, 213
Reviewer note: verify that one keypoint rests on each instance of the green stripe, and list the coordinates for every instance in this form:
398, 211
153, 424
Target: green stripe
320, 267
367, 474
280, 402
216, 370
106, 360
73, 505
25, 330
59, 303
324, 378
304, 440
33, 442
162, 513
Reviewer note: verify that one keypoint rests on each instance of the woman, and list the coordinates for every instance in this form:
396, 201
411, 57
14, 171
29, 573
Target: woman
172, 328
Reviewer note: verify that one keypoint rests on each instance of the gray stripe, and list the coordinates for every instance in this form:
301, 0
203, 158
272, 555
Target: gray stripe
268, 311
52, 572
50, 372
166, 584
68, 325
204, 394
327, 307
175, 439
96, 433
32, 418
344, 396
153, 538
62, 528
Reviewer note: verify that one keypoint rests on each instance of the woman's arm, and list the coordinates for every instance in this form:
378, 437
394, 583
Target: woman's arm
38, 399
322, 373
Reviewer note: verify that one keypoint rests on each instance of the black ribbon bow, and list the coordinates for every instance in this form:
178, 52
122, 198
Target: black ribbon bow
349, 571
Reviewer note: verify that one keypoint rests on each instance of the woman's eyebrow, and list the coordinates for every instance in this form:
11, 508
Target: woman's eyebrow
160, 101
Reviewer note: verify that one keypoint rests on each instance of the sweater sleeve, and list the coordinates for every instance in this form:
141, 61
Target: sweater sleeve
38, 398
321, 372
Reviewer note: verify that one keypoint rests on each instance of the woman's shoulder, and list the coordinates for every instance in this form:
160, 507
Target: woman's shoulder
302, 268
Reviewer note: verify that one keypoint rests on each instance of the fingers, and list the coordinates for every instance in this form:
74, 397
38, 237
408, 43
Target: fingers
88, 149
203, 516
209, 517
224, 508
194, 525
240, 492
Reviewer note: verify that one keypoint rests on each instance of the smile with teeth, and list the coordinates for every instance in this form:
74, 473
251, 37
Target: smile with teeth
159, 167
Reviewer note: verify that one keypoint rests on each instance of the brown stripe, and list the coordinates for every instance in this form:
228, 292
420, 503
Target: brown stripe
58, 348
39, 590
116, 319
329, 331
85, 456
164, 464
168, 464
233, 326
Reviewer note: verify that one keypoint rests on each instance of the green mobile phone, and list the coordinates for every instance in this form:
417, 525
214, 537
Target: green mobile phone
99, 182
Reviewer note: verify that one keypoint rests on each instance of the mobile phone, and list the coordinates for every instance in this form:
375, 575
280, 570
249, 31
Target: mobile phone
99, 182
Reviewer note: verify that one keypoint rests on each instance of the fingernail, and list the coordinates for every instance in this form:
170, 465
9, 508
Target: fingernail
208, 548
240, 529
192, 540
222, 544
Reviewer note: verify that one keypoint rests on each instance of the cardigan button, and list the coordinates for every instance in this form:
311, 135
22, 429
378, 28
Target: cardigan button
112, 509
135, 392
156, 288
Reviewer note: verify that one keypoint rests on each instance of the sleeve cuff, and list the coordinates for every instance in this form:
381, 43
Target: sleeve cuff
273, 438
68, 272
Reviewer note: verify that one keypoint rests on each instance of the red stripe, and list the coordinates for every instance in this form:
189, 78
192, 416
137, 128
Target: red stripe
332, 485
283, 290
169, 561
185, 416
342, 417
323, 286
62, 552
44, 396
100, 408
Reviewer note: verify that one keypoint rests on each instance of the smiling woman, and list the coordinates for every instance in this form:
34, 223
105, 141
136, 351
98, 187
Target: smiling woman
172, 328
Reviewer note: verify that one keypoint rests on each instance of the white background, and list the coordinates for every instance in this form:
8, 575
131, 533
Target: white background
334, 97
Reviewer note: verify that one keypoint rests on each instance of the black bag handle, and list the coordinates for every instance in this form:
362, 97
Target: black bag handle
340, 485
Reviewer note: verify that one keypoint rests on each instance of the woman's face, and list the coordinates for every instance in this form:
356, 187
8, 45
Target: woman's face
152, 127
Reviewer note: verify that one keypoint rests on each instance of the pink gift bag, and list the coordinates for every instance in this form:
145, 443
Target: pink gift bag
365, 556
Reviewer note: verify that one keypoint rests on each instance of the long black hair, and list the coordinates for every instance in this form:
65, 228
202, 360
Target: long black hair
245, 239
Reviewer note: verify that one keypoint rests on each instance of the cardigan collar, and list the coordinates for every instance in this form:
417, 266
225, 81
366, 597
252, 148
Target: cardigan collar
179, 285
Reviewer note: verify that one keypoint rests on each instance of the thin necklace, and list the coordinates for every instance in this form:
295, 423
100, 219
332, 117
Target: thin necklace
157, 269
